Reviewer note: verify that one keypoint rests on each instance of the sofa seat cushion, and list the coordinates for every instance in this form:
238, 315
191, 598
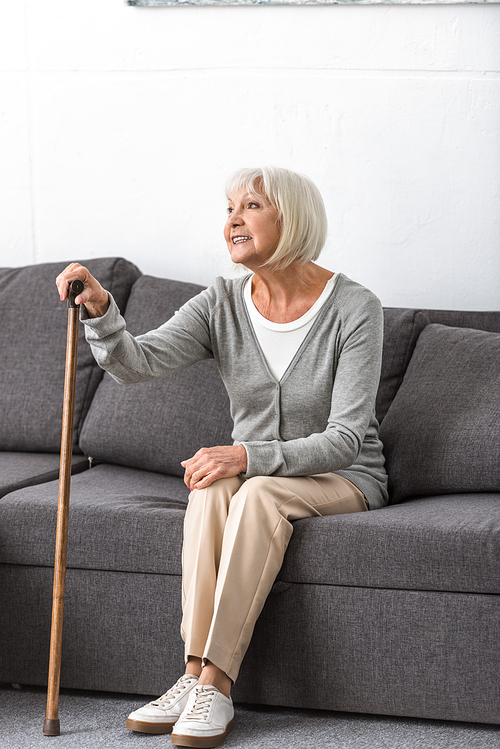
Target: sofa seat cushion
446, 543
18, 470
33, 353
120, 519
155, 425
125, 519
441, 433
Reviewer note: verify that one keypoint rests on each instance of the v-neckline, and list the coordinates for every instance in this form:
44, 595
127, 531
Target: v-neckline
326, 305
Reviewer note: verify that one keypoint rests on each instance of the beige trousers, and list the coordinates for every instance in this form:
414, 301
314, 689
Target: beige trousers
236, 532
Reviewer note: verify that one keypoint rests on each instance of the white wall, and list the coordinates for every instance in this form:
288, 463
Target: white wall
119, 125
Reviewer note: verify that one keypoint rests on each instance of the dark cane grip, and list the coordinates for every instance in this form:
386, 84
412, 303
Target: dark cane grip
75, 288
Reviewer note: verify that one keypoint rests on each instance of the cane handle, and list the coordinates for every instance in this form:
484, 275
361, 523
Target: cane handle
75, 288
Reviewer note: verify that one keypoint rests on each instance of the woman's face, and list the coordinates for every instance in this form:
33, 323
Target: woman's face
252, 229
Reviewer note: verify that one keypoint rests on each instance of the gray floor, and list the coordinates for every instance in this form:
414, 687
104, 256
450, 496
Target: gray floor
96, 719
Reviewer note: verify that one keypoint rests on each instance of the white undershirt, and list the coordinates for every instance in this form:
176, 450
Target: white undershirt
281, 341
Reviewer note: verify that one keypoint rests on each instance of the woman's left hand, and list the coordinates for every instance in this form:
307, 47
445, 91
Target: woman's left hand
212, 463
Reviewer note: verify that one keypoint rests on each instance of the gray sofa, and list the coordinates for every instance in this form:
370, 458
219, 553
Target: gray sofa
394, 611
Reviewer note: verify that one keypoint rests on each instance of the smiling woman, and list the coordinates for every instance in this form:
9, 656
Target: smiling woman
299, 350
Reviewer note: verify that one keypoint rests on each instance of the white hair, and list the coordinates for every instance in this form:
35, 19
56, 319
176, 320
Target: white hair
301, 211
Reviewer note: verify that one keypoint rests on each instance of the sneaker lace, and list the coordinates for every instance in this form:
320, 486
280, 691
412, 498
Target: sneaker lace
200, 706
180, 686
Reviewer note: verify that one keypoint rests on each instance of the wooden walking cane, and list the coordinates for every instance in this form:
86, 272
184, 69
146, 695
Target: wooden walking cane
51, 725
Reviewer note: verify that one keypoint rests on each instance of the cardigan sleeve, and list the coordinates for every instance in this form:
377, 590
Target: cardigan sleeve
179, 342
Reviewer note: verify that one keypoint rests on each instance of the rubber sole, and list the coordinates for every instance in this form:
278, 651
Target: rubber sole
202, 742
144, 727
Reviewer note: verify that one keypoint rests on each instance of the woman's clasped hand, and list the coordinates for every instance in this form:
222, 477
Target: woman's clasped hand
212, 463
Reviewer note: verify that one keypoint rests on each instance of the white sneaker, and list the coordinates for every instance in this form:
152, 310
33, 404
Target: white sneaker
160, 715
207, 719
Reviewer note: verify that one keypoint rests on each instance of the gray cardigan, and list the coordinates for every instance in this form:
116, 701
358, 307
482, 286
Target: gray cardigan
318, 418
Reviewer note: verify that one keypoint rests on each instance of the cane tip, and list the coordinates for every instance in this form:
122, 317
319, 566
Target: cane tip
51, 727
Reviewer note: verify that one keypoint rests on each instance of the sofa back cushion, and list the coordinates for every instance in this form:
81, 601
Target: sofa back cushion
156, 425
402, 327
33, 352
441, 434
489, 320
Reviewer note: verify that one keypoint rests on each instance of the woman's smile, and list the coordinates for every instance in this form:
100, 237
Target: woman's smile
239, 240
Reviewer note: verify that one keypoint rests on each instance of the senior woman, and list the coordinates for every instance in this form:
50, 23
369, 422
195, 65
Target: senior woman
299, 350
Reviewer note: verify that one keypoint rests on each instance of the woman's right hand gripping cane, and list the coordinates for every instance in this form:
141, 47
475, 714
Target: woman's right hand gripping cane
93, 296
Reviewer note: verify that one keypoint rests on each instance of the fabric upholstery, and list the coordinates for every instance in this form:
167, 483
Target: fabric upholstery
441, 432
393, 652
33, 353
18, 470
489, 321
155, 425
449, 542
125, 519
120, 519
121, 630
402, 327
